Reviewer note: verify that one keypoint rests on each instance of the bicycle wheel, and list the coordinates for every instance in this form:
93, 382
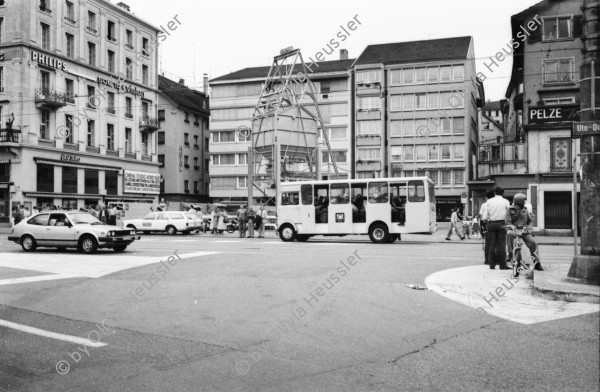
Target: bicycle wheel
517, 262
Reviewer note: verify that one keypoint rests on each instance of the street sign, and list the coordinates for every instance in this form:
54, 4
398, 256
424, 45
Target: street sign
463, 198
549, 114
585, 128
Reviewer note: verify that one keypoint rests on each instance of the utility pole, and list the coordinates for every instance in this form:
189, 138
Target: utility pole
586, 266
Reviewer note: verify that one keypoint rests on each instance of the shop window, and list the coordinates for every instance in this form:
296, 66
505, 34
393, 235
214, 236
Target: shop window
91, 182
69, 180
111, 182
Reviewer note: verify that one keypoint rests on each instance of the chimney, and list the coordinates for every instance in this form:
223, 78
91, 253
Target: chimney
343, 54
182, 82
124, 6
205, 84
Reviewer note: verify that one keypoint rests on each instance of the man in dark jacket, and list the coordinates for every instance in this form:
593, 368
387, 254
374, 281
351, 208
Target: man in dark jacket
518, 217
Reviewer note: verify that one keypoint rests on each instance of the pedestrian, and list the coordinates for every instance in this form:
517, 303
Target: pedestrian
251, 219
112, 214
482, 211
454, 222
476, 227
222, 217
467, 222
17, 216
262, 220
495, 215
102, 215
242, 215
214, 221
26, 213
35, 210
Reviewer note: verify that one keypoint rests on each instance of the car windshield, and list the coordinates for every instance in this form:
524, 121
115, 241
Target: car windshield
84, 218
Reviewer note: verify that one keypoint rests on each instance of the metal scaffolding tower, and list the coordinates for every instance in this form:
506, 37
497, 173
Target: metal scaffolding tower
287, 128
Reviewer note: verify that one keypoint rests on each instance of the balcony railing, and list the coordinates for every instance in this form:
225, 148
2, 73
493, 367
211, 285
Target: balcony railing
91, 30
186, 166
10, 136
112, 153
50, 99
111, 39
149, 123
47, 143
130, 155
93, 150
196, 167
70, 20
129, 46
70, 146
146, 158
501, 158
45, 9
128, 114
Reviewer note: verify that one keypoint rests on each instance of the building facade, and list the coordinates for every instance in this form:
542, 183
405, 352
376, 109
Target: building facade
78, 100
183, 141
416, 114
233, 99
544, 101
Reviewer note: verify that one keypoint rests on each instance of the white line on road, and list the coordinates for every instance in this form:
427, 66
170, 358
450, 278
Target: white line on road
41, 278
51, 335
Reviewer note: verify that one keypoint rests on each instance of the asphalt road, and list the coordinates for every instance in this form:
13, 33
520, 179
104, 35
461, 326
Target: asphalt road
229, 314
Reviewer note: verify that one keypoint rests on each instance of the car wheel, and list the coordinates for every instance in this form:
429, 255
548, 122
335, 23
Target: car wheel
287, 233
379, 233
88, 244
28, 243
186, 232
120, 248
302, 237
132, 227
171, 230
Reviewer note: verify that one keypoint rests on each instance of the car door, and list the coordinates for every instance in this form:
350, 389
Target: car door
162, 219
60, 231
37, 227
148, 223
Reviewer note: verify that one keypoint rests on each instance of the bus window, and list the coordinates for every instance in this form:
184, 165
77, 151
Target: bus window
378, 192
290, 199
321, 203
416, 191
307, 198
340, 194
358, 203
398, 202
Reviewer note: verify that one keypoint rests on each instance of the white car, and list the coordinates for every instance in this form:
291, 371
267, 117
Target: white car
168, 221
196, 221
64, 229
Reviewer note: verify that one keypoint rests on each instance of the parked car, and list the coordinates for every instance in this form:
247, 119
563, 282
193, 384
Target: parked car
70, 229
168, 221
195, 220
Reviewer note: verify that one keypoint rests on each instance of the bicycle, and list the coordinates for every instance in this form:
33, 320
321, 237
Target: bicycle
520, 265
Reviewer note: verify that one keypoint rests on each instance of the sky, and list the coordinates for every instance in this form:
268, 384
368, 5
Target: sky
219, 37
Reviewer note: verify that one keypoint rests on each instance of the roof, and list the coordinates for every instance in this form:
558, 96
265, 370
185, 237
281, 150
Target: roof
183, 96
262, 72
416, 51
492, 105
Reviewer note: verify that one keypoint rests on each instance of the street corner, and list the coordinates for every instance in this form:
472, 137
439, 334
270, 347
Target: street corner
497, 293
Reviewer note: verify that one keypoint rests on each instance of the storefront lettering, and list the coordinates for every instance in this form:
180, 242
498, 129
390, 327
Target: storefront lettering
120, 86
48, 61
70, 158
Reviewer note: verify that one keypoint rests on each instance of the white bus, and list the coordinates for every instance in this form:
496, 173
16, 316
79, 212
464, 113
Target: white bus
384, 208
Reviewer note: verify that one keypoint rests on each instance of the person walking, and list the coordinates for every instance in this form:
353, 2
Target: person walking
482, 211
495, 215
251, 218
262, 220
242, 215
454, 222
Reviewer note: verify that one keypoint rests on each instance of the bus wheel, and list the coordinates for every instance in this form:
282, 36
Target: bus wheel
287, 233
394, 238
379, 233
302, 237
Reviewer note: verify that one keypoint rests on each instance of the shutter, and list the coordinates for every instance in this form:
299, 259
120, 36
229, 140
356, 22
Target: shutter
536, 35
577, 26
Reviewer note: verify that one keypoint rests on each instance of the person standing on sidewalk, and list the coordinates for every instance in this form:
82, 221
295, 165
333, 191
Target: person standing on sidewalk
262, 215
242, 215
495, 215
482, 211
454, 222
214, 221
251, 216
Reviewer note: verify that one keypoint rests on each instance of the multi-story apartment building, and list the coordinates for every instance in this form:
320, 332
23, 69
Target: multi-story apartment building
233, 98
183, 141
416, 114
78, 96
543, 102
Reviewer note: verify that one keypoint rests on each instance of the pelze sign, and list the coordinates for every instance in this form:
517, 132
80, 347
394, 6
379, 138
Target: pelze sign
141, 182
546, 114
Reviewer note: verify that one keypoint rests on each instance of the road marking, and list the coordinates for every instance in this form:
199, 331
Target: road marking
41, 278
51, 335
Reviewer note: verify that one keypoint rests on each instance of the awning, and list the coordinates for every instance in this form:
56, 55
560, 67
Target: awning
62, 195
129, 198
78, 165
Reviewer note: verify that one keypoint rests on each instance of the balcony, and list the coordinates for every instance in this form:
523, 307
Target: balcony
146, 158
111, 39
70, 20
149, 124
128, 115
47, 143
368, 140
91, 29
502, 158
111, 110
112, 153
130, 155
10, 136
69, 146
45, 9
186, 166
368, 114
46, 98
363, 165
93, 150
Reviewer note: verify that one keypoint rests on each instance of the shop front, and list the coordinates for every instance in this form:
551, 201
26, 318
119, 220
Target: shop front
444, 206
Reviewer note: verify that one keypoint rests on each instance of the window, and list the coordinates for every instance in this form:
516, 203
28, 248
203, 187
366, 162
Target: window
369, 103
433, 174
69, 180
70, 17
45, 36
416, 192
408, 128
396, 77
224, 183
338, 134
146, 110
128, 107
110, 58
446, 177
290, 199
91, 22
306, 194
340, 194
70, 45
145, 74
91, 54
145, 51
445, 74
396, 153
206, 143
409, 153
242, 159
45, 124
446, 153
145, 144
196, 146
459, 151
421, 127
408, 102
558, 71
432, 100
432, 74
128, 140
186, 186
420, 75
446, 125
557, 28
129, 39
325, 87
128, 68
186, 139
91, 140
110, 31
242, 182
224, 137
110, 137
459, 177
45, 81
433, 126
111, 182
69, 125
70, 90
369, 154
338, 156
196, 163
433, 152
110, 106
186, 162
1, 30
561, 154
396, 128
458, 73
45, 178
421, 101
408, 76
378, 192
458, 125
91, 92
161, 160
558, 101
421, 152
223, 159
92, 182
367, 77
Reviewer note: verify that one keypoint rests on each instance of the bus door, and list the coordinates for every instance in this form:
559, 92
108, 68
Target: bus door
321, 215
378, 206
289, 206
417, 210
340, 209
307, 214
398, 192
